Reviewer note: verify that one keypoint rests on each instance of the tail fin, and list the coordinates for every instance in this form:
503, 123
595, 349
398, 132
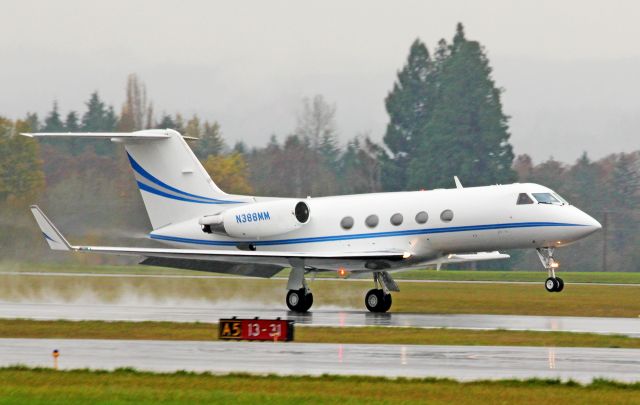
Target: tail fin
174, 185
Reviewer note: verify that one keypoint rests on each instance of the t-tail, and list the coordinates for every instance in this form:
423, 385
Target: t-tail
173, 184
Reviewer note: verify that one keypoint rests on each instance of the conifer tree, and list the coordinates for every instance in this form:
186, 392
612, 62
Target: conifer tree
53, 122
467, 133
409, 106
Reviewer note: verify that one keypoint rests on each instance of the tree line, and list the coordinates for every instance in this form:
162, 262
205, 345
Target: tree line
445, 119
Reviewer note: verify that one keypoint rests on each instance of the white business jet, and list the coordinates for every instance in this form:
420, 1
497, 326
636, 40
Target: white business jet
210, 230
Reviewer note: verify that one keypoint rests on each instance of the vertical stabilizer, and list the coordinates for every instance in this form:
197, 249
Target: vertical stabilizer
173, 183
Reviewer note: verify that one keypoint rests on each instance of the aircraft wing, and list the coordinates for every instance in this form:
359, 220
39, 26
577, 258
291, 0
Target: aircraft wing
473, 257
248, 263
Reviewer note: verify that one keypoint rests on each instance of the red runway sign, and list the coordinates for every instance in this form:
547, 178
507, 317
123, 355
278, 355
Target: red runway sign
255, 329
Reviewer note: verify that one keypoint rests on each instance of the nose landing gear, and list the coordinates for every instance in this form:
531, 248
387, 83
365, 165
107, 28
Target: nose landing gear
553, 283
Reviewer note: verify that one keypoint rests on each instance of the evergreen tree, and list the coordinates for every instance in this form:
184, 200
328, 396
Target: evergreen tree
71, 123
211, 142
33, 122
409, 106
240, 147
98, 117
53, 122
360, 166
166, 122
579, 183
625, 183
467, 134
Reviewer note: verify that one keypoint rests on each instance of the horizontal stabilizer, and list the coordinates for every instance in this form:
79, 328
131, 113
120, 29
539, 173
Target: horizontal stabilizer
51, 234
149, 134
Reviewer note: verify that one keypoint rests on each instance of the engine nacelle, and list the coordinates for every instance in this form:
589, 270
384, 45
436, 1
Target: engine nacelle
258, 220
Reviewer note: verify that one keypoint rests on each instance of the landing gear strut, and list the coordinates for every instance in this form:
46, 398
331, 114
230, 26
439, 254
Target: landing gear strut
379, 298
553, 283
299, 297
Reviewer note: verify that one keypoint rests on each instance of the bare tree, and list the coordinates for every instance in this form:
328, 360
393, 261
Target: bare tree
316, 121
137, 111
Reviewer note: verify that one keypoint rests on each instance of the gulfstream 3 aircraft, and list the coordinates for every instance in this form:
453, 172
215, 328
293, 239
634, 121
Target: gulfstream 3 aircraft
209, 230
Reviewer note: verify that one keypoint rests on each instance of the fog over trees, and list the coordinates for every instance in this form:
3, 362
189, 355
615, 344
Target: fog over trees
445, 119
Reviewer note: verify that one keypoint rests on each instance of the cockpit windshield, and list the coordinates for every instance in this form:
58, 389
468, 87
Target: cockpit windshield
549, 198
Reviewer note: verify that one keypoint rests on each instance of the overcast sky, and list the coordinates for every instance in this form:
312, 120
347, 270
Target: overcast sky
570, 69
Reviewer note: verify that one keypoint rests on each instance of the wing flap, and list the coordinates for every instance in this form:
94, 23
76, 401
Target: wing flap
474, 257
215, 266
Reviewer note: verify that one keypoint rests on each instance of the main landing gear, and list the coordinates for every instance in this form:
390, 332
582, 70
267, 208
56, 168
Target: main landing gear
553, 283
299, 297
379, 299
299, 300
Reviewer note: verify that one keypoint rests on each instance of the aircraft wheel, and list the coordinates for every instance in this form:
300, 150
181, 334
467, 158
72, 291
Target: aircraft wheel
560, 284
387, 303
551, 284
377, 301
308, 302
297, 300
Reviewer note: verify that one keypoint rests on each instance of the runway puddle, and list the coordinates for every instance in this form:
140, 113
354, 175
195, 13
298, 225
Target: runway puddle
161, 292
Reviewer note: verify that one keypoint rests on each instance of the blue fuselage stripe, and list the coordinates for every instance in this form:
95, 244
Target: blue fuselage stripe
334, 238
161, 193
187, 196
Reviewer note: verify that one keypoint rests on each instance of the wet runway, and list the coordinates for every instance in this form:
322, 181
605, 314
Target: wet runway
459, 362
319, 317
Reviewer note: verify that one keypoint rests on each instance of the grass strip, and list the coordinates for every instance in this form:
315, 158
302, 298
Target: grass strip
21, 385
423, 274
414, 297
23, 328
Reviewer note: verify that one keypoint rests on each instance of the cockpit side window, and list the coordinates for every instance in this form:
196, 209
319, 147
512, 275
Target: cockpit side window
546, 198
523, 198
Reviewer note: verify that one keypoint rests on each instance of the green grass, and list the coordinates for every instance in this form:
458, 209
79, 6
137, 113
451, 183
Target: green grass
22, 328
415, 297
534, 276
44, 386
452, 275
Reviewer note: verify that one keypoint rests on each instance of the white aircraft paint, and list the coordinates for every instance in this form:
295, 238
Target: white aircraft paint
258, 236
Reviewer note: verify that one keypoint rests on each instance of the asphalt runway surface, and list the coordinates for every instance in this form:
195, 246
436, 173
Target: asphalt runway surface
319, 317
459, 362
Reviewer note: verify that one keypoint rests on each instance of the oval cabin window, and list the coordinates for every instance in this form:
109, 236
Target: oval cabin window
422, 217
446, 216
346, 223
371, 221
396, 219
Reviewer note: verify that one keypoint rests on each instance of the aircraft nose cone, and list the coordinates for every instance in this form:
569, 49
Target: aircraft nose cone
590, 224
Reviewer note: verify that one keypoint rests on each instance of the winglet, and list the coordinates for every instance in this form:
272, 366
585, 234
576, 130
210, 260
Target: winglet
457, 180
51, 234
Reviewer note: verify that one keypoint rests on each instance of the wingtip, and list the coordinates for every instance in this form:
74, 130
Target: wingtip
52, 236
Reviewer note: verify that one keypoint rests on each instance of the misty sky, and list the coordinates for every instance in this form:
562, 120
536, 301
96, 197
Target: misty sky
570, 69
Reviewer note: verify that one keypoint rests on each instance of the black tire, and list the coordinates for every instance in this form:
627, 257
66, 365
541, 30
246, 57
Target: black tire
387, 303
551, 284
308, 302
560, 284
296, 300
374, 300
